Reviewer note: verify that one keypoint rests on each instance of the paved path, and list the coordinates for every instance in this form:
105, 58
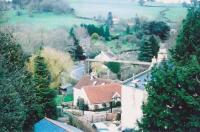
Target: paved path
78, 71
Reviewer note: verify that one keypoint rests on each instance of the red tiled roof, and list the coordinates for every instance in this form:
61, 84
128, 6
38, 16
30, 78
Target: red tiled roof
102, 93
86, 81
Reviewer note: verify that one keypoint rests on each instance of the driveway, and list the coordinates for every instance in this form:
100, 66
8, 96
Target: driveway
78, 71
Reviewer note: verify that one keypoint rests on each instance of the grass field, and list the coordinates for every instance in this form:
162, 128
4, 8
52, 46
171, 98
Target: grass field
90, 8
124, 9
46, 20
60, 98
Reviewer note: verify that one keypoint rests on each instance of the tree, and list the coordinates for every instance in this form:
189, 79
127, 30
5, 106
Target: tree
173, 99
128, 29
158, 28
3, 8
78, 51
141, 2
115, 67
81, 104
18, 83
46, 96
173, 93
12, 108
109, 20
106, 33
188, 41
148, 49
57, 66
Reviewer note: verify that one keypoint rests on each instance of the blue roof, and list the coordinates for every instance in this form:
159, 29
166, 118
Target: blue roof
49, 125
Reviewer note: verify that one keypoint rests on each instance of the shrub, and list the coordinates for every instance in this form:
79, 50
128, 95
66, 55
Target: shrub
104, 105
115, 67
118, 103
56, 6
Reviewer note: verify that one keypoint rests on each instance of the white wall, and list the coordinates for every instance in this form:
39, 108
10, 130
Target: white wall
77, 93
131, 102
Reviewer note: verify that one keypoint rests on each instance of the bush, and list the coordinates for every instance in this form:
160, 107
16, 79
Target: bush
118, 103
96, 107
104, 105
115, 67
95, 36
56, 6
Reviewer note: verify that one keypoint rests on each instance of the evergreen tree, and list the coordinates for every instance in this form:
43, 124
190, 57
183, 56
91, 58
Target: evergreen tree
173, 93
173, 99
12, 110
109, 21
19, 81
46, 96
188, 41
106, 33
78, 51
148, 49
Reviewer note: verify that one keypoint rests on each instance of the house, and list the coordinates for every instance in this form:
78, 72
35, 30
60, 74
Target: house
49, 125
105, 56
96, 92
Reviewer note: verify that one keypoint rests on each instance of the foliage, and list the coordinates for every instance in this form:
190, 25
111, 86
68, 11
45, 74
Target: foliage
109, 21
173, 99
57, 66
19, 86
188, 41
173, 92
115, 67
81, 103
98, 67
141, 2
95, 36
45, 94
148, 49
157, 28
78, 51
56, 6
102, 31
118, 103
12, 108
3, 9
104, 105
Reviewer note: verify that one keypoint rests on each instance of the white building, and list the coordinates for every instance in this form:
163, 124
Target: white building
96, 92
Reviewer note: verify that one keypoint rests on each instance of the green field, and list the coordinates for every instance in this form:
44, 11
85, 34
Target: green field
45, 20
60, 98
125, 9
94, 8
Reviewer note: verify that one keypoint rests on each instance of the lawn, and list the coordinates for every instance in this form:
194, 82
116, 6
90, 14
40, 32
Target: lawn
68, 98
90, 8
46, 20
124, 9
60, 98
